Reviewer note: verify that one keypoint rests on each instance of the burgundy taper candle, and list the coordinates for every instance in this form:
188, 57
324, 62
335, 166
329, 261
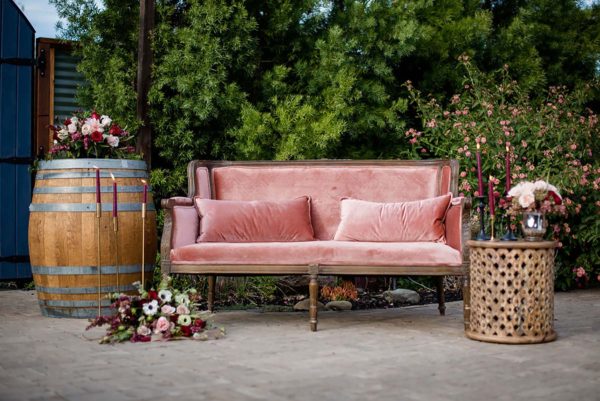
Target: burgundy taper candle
491, 199
114, 211
98, 197
507, 169
479, 173
145, 199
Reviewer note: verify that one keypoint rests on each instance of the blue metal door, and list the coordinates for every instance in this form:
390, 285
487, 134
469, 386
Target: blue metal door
16, 122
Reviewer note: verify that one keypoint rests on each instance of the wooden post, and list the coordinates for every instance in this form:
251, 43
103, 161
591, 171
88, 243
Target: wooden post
144, 140
211, 292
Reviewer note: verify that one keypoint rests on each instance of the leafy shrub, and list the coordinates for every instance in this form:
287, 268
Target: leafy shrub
344, 292
555, 139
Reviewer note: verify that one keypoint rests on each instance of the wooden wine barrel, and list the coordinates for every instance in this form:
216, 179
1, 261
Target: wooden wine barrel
63, 238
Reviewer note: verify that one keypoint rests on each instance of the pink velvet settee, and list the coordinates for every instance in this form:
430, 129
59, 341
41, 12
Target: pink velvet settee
325, 183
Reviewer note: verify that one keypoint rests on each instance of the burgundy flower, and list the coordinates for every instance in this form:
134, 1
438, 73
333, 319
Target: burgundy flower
139, 338
174, 317
68, 121
97, 136
86, 143
199, 323
186, 331
153, 294
115, 130
557, 199
95, 115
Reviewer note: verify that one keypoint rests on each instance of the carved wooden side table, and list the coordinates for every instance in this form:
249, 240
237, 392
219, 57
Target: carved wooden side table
512, 291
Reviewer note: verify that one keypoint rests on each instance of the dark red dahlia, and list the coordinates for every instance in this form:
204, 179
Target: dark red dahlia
97, 136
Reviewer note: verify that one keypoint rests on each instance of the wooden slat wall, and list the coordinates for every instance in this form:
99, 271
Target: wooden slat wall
66, 81
55, 90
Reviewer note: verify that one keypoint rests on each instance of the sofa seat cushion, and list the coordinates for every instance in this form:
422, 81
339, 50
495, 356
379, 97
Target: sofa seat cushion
333, 253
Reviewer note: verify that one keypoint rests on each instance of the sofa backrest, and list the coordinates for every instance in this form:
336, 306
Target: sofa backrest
325, 181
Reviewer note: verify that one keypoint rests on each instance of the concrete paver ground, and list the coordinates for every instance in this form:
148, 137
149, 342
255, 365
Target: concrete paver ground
395, 354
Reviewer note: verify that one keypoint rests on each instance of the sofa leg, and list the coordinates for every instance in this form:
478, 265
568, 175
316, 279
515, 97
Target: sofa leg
211, 292
441, 295
313, 290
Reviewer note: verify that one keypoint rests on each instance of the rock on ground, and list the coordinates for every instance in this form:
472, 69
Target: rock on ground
402, 296
339, 305
305, 305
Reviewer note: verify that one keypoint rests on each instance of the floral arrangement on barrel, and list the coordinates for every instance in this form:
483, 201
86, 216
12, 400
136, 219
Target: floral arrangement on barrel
89, 134
157, 315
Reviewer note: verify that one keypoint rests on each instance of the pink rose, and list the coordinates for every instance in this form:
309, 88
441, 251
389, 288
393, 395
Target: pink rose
183, 310
162, 325
112, 140
95, 125
144, 330
167, 310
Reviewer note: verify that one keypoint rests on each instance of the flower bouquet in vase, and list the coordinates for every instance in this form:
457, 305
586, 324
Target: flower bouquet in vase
534, 200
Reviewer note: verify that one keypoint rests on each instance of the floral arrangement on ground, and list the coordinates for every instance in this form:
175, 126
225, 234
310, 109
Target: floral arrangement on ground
89, 134
157, 315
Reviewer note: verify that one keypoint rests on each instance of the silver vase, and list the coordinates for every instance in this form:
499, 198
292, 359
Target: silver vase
534, 226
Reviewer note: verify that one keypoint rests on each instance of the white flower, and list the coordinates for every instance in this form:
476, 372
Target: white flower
526, 200
86, 129
151, 307
540, 185
114, 142
72, 128
63, 134
165, 295
184, 320
105, 121
74, 120
182, 299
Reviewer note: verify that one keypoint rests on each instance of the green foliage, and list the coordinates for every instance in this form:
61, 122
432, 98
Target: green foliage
195, 97
553, 139
296, 79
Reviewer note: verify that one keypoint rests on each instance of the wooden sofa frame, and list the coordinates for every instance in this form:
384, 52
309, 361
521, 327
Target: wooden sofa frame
313, 271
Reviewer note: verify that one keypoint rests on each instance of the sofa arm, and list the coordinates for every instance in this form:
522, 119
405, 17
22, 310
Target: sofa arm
180, 227
457, 228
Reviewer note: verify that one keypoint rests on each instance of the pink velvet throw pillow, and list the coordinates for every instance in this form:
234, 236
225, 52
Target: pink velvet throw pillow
254, 221
416, 221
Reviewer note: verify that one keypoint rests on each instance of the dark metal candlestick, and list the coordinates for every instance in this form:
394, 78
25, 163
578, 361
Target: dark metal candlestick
482, 235
509, 235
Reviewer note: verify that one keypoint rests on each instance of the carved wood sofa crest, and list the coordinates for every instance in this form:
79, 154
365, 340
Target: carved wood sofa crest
325, 183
